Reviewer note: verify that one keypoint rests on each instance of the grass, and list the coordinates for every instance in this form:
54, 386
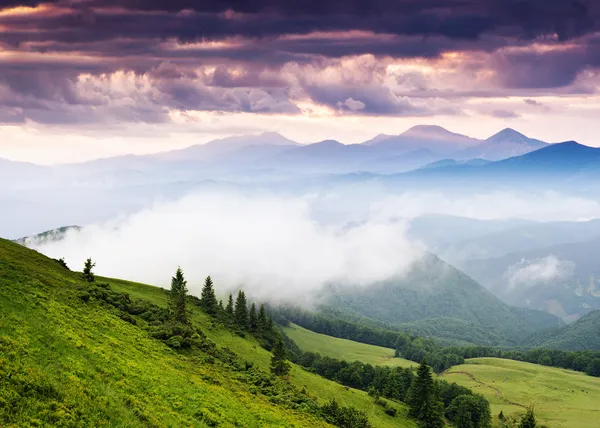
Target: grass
66, 363
562, 398
319, 387
344, 349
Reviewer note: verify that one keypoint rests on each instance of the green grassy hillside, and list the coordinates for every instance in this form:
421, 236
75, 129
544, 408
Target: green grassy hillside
343, 349
69, 361
432, 290
562, 398
251, 351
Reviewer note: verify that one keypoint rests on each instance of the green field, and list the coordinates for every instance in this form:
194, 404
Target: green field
562, 398
344, 349
67, 362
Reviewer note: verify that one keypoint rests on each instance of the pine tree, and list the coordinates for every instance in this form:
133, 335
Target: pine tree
261, 322
87, 273
229, 308
501, 415
424, 404
177, 297
528, 419
221, 307
252, 318
208, 300
279, 364
241, 310
270, 323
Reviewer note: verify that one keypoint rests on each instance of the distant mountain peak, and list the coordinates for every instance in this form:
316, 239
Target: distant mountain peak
510, 135
426, 130
327, 143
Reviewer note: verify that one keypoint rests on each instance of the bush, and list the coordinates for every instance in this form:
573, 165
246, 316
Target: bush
391, 411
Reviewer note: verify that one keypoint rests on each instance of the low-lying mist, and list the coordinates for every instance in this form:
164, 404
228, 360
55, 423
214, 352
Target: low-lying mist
283, 248
273, 247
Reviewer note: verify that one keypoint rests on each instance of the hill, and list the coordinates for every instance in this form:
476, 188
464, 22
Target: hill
433, 138
582, 335
434, 289
562, 398
567, 165
344, 349
51, 235
505, 144
71, 359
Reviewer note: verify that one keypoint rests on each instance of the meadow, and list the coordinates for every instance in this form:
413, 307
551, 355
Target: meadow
561, 398
70, 361
247, 347
344, 349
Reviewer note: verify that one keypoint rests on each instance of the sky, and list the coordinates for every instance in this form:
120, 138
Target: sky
82, 79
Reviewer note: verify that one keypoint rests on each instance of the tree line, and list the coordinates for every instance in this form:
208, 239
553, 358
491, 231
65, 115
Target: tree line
440, 358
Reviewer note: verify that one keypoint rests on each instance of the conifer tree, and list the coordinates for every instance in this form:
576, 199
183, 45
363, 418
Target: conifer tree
229, 308
208, 300
528, 419
424, 404
177, 297
221, 307
270, 323
261, 321
279, 364
241, 310
252, 318
87, 273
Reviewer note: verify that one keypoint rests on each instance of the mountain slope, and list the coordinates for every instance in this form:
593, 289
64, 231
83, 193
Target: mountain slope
51, 235
433, 138
582, 335
71, 360
433, 289
505, 144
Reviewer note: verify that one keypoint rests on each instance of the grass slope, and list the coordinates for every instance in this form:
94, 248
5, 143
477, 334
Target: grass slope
317, 386
68, 363
562, 398
344, 349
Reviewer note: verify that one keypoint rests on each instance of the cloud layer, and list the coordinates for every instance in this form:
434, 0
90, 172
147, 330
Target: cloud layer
90, 61
273, 247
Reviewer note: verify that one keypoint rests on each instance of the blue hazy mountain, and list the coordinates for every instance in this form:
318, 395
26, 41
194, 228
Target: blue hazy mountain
434, 138
505, 144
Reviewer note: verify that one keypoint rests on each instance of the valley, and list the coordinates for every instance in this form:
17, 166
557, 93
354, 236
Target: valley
562, 398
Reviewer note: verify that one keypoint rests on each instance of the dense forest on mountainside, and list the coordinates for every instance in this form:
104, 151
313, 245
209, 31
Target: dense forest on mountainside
433, 289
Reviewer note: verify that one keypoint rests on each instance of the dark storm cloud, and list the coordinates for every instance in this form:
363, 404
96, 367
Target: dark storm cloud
254, 40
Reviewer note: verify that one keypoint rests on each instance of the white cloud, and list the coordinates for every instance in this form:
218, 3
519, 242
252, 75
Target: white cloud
271, 246
542, 271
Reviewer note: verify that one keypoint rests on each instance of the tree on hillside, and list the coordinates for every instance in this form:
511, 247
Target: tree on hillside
279, 364
470, 411
241, 310
208, 300
177, 297
87, 273
261, 321
62, 262
229, 307
252, 318
528, 419
424, 404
